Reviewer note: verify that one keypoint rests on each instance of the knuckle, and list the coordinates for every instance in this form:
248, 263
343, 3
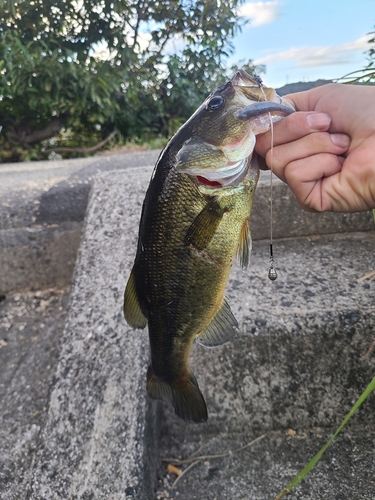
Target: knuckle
293, 171
317, 142
320, 140
295, 124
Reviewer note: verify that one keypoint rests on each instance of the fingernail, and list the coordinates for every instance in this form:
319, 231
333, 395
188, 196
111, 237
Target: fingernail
341, 140
318, 121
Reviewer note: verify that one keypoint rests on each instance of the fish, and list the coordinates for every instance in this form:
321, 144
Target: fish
194, 222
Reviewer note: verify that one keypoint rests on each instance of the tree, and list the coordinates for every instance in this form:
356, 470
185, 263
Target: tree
92, 65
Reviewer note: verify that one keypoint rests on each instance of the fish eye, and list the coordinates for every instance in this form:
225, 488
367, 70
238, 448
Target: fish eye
215, 103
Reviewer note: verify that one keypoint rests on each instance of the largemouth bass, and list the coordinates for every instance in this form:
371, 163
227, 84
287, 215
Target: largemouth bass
195, 220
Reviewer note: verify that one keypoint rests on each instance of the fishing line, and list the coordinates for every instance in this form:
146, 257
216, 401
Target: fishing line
272, 274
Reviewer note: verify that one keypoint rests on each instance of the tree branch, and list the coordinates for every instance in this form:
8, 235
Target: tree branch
20, 137
91, 149
139, 9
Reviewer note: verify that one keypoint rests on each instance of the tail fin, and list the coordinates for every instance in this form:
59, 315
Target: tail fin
183, 393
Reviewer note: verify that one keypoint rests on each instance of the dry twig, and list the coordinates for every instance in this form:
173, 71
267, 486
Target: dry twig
367, 276
177, 461
196, 460
184, 472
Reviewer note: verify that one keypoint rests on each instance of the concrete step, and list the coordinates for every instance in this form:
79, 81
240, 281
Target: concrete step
292, 374
42, 208
43, 205
99, 439
301, 337
297, 362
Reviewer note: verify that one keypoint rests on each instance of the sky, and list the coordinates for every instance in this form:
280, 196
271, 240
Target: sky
305, 40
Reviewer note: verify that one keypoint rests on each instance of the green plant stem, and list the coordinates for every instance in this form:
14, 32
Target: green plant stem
318, 456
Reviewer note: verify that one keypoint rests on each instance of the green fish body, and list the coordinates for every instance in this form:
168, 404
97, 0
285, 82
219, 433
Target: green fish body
195, 220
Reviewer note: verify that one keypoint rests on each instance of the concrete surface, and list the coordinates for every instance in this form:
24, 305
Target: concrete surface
98, 440
31, 325
42, 208
43, 205
293, 372
263, 470
35, 257
31, 191
297, 366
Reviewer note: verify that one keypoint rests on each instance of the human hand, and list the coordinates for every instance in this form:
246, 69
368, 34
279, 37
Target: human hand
325, 151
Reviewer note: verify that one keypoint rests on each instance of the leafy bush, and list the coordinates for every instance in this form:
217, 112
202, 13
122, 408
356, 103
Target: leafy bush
79, 70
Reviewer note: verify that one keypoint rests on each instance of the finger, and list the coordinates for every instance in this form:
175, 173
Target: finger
291, 128
307, 178
262, 163
311, 145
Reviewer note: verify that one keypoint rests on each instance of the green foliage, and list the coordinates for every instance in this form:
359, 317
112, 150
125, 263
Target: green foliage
95, 65
39, 81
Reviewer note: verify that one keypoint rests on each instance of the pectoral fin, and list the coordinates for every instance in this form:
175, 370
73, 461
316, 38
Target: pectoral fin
132, 310
204, 227
222, 328
244, 246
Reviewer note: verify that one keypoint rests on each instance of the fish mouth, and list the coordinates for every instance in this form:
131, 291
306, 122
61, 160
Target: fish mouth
242, 79
260, 99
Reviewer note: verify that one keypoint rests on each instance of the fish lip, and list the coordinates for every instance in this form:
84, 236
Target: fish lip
242, 79
261, 108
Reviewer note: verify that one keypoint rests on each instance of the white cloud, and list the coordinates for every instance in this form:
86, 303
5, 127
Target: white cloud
260, 12
305, 57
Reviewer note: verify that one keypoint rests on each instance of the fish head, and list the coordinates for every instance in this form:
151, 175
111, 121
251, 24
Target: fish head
221, 135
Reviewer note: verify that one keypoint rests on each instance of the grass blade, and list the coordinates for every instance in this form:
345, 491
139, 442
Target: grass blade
318, 456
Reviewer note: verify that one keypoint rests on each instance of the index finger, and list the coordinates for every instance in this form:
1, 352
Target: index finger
292, 128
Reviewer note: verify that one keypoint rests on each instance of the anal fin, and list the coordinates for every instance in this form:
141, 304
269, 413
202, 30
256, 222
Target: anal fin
222, 328
132, 310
